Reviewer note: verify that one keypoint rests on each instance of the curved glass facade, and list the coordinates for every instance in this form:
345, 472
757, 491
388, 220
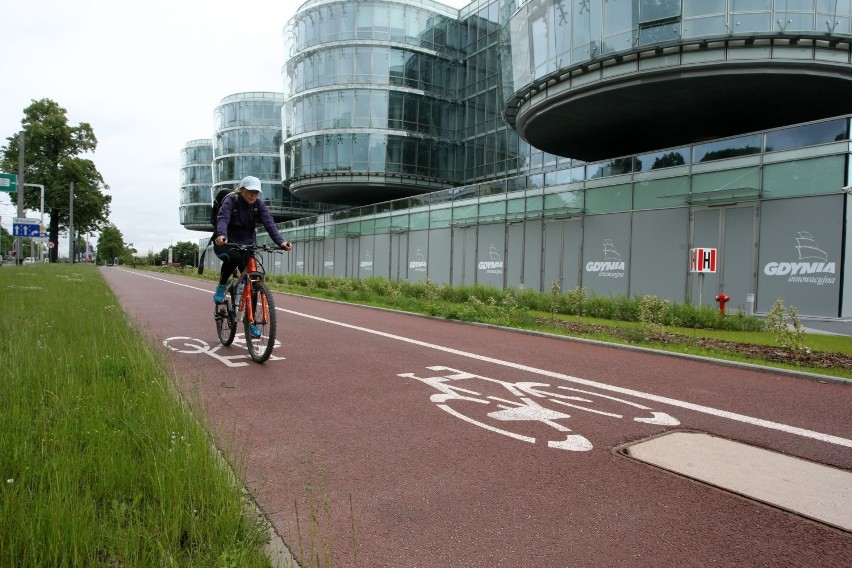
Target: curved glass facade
453, 133
247, 142
196, 179
548, 35
372, 88
596, 78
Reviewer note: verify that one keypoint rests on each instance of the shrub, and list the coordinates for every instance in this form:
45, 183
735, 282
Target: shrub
791, 336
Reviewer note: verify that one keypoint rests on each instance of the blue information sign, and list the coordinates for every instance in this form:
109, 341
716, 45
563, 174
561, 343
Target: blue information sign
26, 227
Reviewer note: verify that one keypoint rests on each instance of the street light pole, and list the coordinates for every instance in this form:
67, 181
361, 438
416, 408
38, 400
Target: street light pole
19, 241
71, 224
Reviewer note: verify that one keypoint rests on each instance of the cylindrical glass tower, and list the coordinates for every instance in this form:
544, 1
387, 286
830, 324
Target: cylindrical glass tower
246, 143
371, 106
196, 179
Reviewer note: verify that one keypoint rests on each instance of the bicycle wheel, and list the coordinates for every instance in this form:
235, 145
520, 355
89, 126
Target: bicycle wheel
260, 346
226, 321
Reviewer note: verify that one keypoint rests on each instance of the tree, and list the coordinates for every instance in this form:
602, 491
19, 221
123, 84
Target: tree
7, 242
111, 246
52, 150
185, 252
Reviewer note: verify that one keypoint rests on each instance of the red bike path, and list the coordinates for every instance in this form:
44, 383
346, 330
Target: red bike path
402, 441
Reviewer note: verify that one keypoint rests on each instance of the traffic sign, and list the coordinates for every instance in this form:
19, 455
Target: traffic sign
8, 182
22, 227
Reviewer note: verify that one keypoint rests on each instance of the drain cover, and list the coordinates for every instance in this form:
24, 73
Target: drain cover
813, 490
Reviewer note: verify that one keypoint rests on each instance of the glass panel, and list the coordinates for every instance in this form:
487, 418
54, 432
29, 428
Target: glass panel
563, 203
440, 218
744, 23
608, 199
794, 22
419, 220
700, 27
615, 167
382, 224
722, 149
751, 5
653, 194
664, 159
703, 7
492, 209
534, 205
652, 10
809, 135
804, 177
658, 34
465, 213
742, 178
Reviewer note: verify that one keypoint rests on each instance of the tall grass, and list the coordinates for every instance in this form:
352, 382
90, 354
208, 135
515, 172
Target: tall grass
100, 462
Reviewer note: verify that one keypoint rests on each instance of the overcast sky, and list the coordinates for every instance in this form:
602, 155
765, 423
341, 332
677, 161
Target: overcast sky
147, 77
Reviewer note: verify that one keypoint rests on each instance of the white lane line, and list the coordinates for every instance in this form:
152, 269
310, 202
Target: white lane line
638, 394
630, 392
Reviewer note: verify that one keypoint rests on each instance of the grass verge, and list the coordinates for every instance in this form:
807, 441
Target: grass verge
101, 464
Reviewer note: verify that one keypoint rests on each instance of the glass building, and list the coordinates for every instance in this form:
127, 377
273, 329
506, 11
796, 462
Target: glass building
590, 143
247, 141
196, 178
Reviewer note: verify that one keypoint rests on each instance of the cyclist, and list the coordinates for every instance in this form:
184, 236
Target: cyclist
236, 223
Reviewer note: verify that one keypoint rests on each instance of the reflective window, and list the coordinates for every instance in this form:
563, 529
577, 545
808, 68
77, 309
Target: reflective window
732, 148
808, 135
663, 159
616, 167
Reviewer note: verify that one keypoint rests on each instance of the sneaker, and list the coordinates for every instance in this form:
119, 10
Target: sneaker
219, 296
255, 331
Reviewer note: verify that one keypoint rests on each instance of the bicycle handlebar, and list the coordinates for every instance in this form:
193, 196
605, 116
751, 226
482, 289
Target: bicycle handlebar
254, 248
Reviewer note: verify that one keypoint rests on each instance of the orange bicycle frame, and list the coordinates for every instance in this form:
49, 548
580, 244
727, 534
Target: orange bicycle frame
245, 300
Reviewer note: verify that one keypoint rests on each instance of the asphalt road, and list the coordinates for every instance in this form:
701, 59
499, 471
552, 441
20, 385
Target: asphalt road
385, 439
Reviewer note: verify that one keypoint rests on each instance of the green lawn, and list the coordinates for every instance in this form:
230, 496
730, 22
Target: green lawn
101, 462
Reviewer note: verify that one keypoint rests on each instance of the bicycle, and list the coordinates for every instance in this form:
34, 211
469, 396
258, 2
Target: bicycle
247, 298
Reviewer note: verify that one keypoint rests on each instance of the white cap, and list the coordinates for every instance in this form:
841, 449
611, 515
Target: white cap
251, 183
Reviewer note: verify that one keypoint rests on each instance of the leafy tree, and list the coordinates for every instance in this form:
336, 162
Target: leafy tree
52, 150
7, 241
111, 245
185, 252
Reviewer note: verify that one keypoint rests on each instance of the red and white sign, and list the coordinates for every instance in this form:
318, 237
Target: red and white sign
702, 260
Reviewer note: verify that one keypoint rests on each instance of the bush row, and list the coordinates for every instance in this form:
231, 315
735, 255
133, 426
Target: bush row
455, 301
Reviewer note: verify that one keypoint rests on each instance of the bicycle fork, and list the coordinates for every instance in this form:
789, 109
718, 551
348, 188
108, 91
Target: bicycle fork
247, 305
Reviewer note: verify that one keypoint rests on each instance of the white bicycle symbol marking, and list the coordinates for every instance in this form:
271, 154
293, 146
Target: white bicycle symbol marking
526, 409
194, 346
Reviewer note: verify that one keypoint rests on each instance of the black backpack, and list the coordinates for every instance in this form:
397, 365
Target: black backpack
214, 213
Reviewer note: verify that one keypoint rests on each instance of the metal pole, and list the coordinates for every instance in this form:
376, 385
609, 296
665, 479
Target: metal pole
71, 224
19, 241
41, 222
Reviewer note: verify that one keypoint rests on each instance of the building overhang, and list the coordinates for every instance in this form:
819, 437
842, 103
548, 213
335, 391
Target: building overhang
615, 112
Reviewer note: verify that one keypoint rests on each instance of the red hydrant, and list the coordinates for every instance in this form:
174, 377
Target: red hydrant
723, 299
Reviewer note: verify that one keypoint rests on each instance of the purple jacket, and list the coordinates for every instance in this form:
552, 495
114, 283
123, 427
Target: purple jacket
237, 220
